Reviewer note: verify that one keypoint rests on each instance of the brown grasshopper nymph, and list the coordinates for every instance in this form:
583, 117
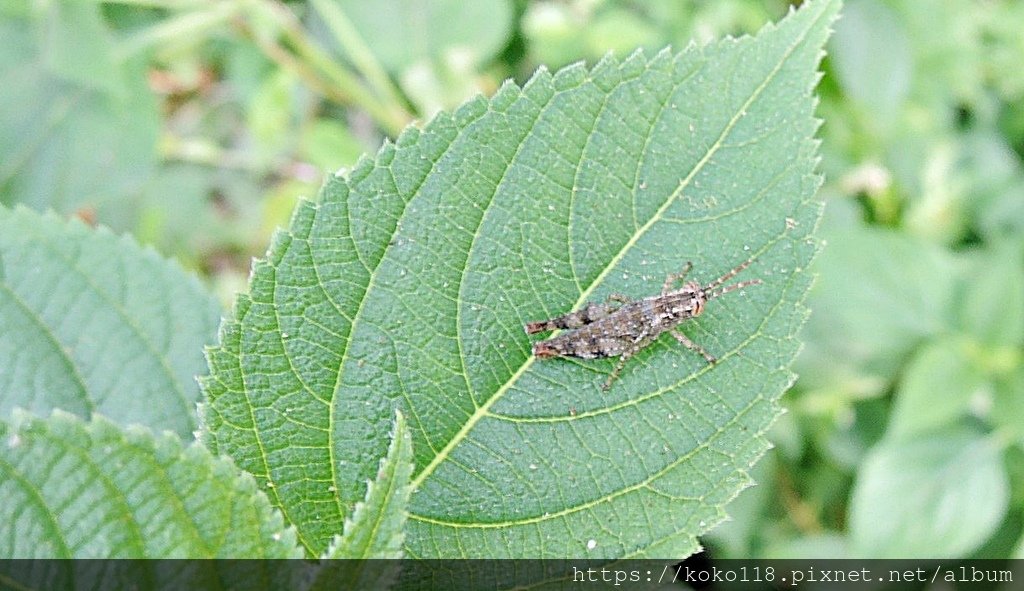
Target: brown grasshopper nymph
622, 326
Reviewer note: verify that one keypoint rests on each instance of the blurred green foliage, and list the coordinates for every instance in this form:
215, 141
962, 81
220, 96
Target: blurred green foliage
196, 125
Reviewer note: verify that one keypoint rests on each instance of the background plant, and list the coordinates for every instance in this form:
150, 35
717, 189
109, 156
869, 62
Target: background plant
219, 115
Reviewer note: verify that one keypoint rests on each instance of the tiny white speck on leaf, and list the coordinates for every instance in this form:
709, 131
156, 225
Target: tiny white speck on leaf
591, 544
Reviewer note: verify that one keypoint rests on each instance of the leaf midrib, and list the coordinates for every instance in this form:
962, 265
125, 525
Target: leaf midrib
483, 410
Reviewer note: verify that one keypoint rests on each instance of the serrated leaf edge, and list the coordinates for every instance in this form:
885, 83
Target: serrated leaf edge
142, 437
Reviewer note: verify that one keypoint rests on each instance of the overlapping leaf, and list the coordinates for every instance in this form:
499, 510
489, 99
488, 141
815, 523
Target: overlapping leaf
407, 285
375, 528
374, 533
91, 490
94, 323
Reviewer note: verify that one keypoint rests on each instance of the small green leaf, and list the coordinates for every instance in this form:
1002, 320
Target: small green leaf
374, 530
867, 30
618, 30
992, 306
995, 176
90, 490
938, 496
1008, 403
408, 283
329, 144
936, 388
95, 323
553, 33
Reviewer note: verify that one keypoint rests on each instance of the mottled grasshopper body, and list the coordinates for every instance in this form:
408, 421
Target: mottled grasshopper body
621, 326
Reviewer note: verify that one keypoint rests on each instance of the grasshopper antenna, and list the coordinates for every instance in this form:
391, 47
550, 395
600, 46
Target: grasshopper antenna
721, 292
711, 286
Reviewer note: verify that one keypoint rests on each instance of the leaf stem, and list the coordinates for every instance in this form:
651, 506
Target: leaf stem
310, 61
362, 57
801, 514
184, 25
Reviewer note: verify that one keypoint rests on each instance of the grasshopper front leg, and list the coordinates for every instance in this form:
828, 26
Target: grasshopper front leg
673, 277
639, 343
686, 342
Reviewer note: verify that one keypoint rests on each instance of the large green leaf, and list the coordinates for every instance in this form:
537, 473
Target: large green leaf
408, 283
90, 490
95, 323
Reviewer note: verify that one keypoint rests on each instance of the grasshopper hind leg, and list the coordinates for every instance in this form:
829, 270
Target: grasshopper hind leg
581, 317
